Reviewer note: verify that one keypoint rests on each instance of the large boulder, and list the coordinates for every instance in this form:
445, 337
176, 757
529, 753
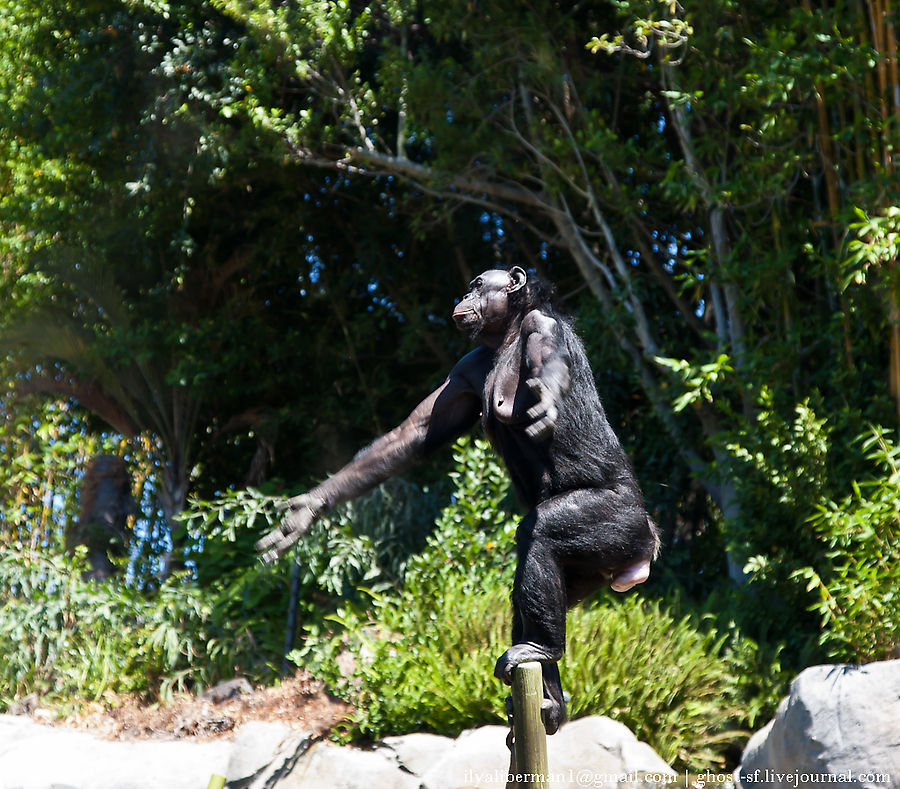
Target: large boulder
34, 756
839, 724
592, 751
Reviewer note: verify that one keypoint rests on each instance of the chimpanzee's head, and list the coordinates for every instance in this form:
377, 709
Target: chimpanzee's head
494, 297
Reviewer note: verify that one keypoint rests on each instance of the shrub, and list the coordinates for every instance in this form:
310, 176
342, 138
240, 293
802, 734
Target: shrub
427, 663
664, 678
858, 591
66, 638
780, 470
451, 611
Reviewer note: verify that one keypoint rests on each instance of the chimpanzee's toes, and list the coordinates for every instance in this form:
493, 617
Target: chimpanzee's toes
504, 668
523, 653
553, 714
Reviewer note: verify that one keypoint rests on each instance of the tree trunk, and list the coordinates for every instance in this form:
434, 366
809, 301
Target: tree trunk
102, 525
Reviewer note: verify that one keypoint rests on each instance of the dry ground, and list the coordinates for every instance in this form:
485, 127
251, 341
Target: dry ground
300, 702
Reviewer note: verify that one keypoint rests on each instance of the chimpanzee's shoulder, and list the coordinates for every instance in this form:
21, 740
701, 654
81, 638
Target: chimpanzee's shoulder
474, 366
539, 320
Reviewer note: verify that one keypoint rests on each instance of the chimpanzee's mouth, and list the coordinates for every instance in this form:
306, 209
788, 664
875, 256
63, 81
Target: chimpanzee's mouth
464, 318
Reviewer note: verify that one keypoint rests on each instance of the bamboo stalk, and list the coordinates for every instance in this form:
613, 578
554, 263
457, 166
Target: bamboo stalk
216, 782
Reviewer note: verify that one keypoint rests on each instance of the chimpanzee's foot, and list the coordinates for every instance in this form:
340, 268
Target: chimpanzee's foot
553, 714
553, 707
522, 653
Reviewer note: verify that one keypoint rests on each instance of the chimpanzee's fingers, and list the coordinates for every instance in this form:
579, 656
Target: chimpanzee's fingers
537, 387
275, 544
295, 524
540, 429
292, 503
538, 411
544, 416
269, 557
267, 541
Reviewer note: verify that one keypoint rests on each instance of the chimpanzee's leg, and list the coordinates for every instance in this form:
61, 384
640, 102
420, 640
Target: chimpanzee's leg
569, 546
539, 619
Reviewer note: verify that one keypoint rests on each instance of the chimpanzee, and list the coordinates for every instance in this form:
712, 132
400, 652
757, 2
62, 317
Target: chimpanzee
530, 383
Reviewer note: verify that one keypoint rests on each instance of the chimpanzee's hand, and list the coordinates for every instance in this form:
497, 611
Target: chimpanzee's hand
302, 512
544, 412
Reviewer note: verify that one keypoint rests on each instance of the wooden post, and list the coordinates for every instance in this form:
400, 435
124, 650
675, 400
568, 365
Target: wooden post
528, 765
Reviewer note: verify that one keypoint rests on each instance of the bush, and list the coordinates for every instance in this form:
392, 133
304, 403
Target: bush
780, 471
426, 663
664, 678
66, 638
858, 591
59, 634
451, 610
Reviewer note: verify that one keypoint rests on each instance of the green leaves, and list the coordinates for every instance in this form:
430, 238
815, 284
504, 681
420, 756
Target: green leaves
856, 591
662, 27
876, 245
698, 380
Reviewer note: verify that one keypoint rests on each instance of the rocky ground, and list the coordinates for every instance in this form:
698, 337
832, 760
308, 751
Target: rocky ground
299, 702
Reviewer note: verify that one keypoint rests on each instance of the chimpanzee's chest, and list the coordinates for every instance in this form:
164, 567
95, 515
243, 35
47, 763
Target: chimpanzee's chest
507, 397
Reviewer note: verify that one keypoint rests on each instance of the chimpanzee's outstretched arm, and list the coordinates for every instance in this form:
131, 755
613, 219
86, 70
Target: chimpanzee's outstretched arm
442, 416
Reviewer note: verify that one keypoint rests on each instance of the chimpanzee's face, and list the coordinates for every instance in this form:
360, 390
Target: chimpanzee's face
485, 308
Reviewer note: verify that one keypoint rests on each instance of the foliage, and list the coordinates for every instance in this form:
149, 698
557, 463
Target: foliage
159, 273
473, 536
421, 662
41, 453
781, 467
876, 244
66, 638
856, 591
470, 550
667, 679
698, 381
228, 235
364, 542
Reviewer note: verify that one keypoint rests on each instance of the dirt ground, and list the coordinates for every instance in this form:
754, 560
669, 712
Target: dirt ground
300, 702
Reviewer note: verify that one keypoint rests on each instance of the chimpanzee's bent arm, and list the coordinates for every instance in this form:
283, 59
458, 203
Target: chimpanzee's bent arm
547, 362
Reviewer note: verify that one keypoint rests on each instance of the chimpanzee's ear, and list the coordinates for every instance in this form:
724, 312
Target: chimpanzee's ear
518, 279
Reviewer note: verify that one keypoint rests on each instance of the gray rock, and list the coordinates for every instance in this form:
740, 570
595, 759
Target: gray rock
839, 724
594, 751
262, 752
33, 756
327, 766
588, 752
598, 751
230, 689
478, 758
416, 753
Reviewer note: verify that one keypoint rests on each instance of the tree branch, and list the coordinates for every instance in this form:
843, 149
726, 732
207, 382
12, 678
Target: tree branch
90, 396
